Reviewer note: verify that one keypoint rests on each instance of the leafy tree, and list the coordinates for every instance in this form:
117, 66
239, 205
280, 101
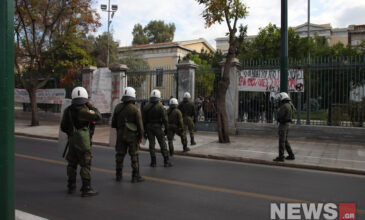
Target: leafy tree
72, 57
206, 76
229, 11
100, 49
139, 36
37, 25
135, 63
154, 32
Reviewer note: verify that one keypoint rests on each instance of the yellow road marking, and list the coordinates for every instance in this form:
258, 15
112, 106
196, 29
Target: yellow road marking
186, 184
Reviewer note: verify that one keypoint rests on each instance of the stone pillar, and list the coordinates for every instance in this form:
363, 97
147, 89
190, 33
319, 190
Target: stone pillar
232, 95
87, 78
186, 78
119, 81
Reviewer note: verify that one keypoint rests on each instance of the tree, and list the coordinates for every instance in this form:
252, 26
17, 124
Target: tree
154, 32
37, 25
229, 11
100, 49
72, 56
139, 36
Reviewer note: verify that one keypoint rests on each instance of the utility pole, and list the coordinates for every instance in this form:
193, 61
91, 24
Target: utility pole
284, 47
7, 109
106, 8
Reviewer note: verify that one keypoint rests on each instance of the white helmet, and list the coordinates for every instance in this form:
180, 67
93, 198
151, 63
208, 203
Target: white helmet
187, 95
173, 102
79, 96
129, 94
155, 95
283, 96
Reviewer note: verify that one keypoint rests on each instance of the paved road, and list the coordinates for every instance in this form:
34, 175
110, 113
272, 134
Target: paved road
192, 189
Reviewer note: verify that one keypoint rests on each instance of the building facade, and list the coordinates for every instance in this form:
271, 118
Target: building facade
168, 54
353, 34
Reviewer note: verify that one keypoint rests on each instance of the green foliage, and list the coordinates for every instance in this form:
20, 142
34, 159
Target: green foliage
266, 45
223, 10
139, 36
99, 49
156, 31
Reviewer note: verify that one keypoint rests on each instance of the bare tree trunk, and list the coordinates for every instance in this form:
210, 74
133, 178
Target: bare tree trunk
223, 130
34, 108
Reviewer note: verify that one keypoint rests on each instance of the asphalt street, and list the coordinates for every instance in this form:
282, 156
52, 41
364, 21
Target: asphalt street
193, 189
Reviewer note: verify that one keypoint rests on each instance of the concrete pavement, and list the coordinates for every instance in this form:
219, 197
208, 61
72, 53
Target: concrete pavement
313, 154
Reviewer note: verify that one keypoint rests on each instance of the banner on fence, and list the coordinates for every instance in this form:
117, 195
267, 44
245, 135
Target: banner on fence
101, 89
46, 96
268, 80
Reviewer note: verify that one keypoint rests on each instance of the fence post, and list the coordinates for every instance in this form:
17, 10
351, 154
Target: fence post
232, 95
186, 78
119, 81
87, 78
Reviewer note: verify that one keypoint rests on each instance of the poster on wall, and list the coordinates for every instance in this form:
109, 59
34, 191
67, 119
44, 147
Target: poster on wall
45, 96
101, 89
268, 80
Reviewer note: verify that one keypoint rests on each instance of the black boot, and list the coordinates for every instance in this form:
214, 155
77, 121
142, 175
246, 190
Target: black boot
86, 189
136, 178
167, 163
71, 186
192, 141
153, 161
185, 148
290, 157
171, 149
118, 175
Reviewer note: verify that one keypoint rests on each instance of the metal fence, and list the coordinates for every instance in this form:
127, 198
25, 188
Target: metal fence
333, 93
206, 84
144, 81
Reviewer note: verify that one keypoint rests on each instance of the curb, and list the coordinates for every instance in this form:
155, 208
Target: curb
232, 158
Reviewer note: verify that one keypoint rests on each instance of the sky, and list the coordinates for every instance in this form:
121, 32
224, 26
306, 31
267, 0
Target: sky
187, 16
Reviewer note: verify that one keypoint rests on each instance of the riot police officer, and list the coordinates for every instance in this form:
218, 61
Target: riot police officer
127, 119
284, 118
154, 117
76, 122
189, 115
176, 126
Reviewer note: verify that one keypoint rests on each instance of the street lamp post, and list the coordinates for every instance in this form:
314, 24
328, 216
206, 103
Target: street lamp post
106, 8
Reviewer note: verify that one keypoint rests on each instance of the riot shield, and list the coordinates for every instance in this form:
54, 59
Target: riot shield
113, 131
62, 137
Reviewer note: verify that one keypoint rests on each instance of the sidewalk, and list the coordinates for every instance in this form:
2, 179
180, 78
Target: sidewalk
319, 155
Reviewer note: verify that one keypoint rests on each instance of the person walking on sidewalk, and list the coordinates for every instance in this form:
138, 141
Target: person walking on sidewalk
176, 126
127, 119
154, 117
76, 121
285, 115
189, 115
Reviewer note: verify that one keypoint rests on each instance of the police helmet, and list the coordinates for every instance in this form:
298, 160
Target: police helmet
187, 95
129, 94
173, 102
155, 95
283, 96
79, 96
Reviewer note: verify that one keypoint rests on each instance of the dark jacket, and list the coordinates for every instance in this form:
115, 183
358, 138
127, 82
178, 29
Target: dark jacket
128, 113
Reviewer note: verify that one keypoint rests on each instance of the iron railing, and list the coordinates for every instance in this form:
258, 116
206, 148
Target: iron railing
333, 92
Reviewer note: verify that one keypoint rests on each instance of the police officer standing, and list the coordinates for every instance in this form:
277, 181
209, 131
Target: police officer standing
76, 121
189, 115
127, 120
284, 117
176, 126
154, 117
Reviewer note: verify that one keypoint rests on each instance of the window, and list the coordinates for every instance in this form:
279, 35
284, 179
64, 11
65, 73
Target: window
159, 77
